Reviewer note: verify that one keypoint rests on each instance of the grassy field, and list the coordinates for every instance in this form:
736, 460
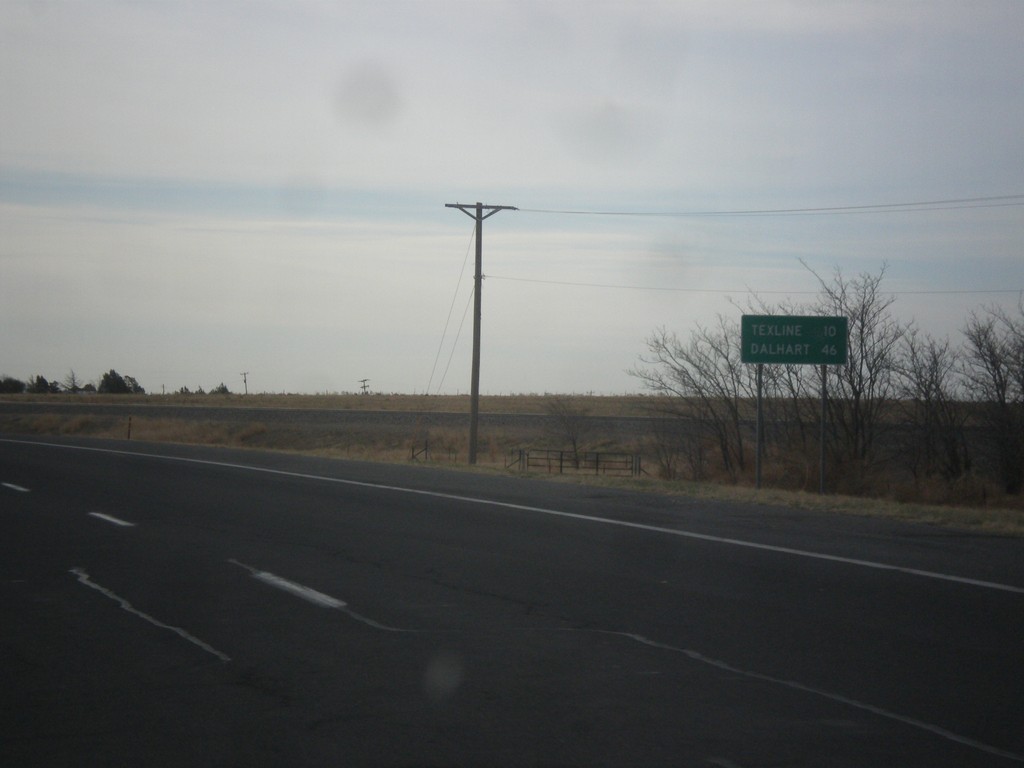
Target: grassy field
620, 405
448, 446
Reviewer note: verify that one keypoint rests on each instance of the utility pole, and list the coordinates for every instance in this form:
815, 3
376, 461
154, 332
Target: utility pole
245, 381
364, 386
477, 215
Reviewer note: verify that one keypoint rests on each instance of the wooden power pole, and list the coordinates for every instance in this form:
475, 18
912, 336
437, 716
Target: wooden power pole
476, 212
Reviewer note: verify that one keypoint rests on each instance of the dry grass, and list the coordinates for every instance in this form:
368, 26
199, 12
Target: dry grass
969, 506
595, 405
1003, 521
1000, 521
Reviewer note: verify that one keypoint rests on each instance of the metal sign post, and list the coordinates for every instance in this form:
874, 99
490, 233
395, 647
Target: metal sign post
821, 439
759, 438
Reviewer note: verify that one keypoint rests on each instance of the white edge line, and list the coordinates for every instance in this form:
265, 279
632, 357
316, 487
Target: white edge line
112, 519
557, 513
83, 578
14, 487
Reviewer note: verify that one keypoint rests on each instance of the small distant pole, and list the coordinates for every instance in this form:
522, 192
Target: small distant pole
245, 380
364, 387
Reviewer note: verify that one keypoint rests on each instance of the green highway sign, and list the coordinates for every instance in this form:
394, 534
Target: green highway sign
793, 339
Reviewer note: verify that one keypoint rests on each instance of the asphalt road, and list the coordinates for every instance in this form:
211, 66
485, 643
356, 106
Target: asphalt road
167, 605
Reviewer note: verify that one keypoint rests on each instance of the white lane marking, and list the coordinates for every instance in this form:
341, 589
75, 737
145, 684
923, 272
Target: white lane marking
83, 578
376, 624
694, 655
558, 513
112, 519
306, 593
911, 721
313, 596
13, 487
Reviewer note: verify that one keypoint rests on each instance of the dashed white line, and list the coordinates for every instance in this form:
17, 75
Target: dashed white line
112, 519
313, 596
83, 578
306, 593
13, 487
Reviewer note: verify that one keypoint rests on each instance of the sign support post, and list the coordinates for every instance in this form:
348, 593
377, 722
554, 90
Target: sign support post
759, 438
821, 436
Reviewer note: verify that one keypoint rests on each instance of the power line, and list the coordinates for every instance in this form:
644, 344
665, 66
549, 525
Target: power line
458, 335
444, 333
669, 289
992, 201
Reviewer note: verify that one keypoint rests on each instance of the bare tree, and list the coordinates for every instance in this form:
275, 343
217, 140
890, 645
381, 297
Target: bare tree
676, 439
931, 394
994, 369
570, 422
707, 371
862, 391
707, 375
71, 382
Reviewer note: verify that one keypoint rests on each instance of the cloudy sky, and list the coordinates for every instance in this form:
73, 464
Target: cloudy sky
190, 190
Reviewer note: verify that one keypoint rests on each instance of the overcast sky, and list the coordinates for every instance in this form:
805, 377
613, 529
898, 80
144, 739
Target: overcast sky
190, 190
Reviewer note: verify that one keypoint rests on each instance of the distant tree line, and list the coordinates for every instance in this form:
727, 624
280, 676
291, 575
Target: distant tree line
904, 402
110, 383
222, 389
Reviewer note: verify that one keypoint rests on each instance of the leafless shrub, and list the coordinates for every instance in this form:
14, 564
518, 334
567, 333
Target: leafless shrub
994, 370
676, 441
933, 417
707, 371
568, 422
863, 390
